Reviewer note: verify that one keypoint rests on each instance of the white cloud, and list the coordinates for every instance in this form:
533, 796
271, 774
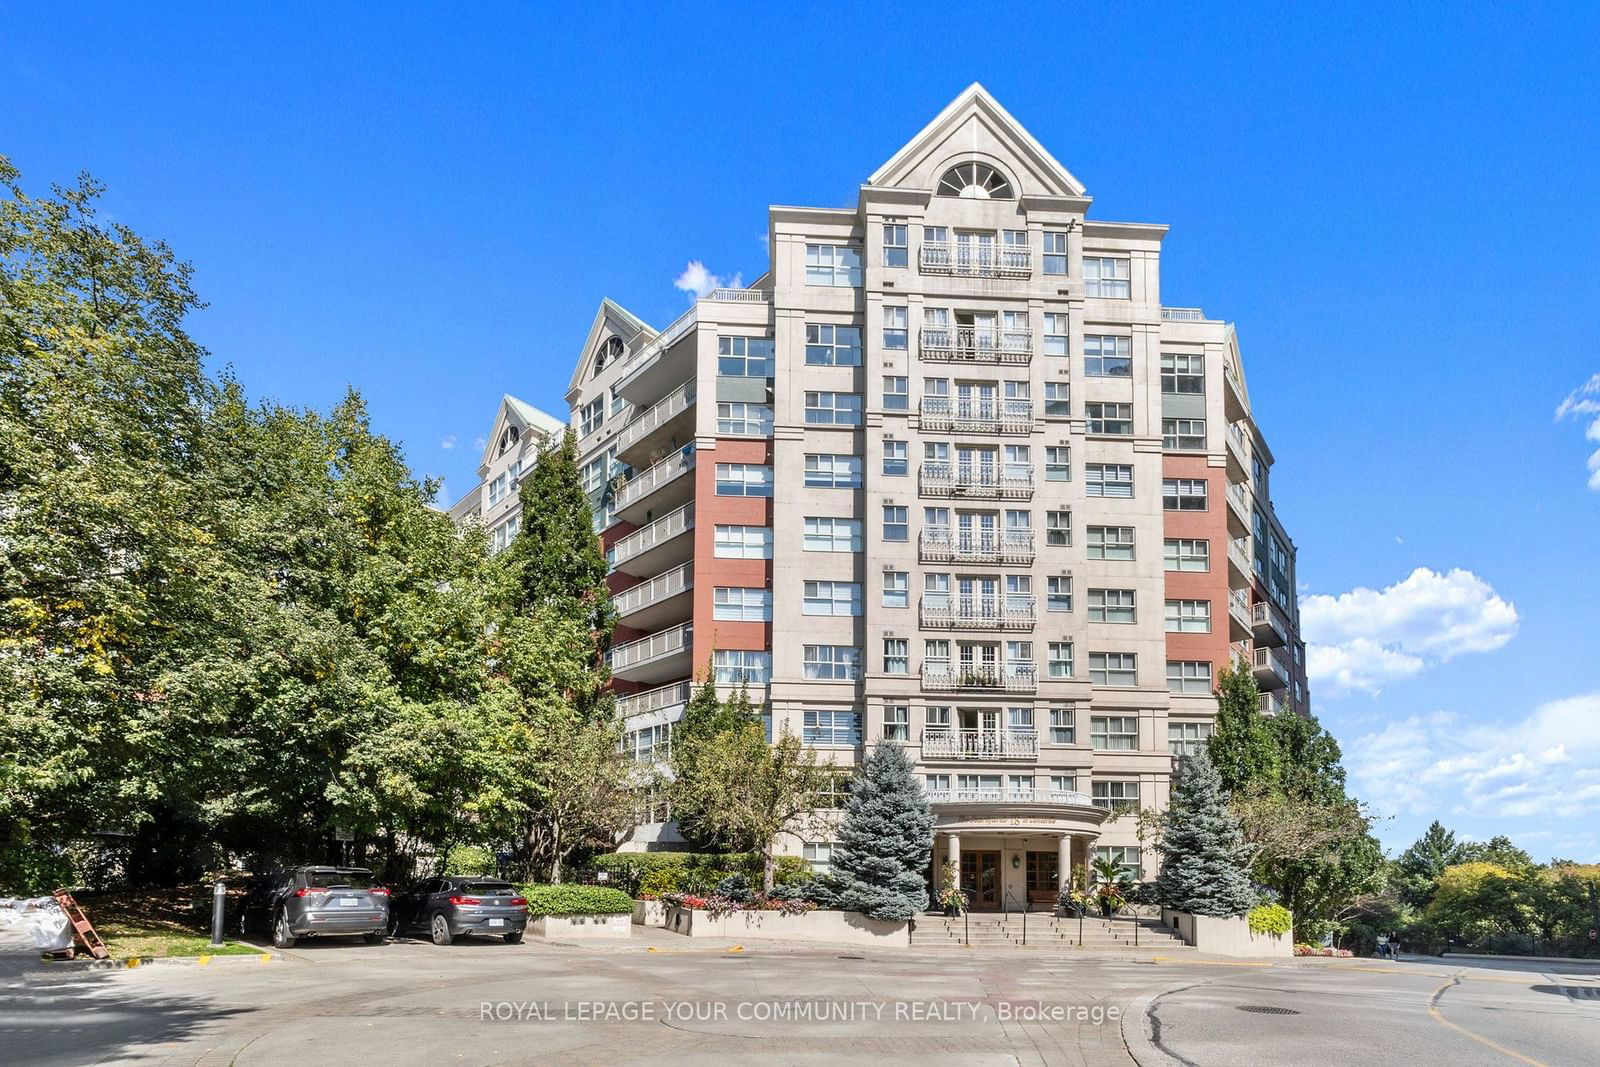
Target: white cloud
449, 442
1366, 638
480, 442
697, 281
1584, 402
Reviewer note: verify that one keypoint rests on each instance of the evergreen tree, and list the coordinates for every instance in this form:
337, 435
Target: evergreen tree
886, 841
1204, 857
1242, 748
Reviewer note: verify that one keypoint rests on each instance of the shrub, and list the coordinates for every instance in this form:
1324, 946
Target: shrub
735, 887
1318, 950
1270, 919
628, 868
469, 859
660, 882
576, 900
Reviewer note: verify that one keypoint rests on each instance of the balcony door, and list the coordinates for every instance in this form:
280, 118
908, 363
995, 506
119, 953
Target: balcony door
975, 400
977, 596
975, 252
977, 465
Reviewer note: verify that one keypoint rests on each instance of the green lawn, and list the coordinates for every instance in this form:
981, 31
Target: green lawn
166, 922
140, 939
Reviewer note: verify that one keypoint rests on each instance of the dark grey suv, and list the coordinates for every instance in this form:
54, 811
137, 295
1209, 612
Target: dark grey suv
315, 902
452, 906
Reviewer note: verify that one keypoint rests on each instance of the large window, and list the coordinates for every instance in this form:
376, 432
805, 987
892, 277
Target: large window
1188, 616
744, 357
896, 722
824, 471
832, 598
1063, 726
1119, 798
1055, 333
1186, 554
1111, 605
833, 346
1110, 542
591, 415
1055, 253
833, 265
896, 462
741, 604
1114, 733
895, 251
736, 666
1106, 276
838, 663
832, 728
833, 409
1183, 494
501, 536
1126, 857
743, 542
1057, 463
896, 523
1187, 738
744, 479
736, 417
1109, 418
896, 589
1183, 374
896, 393
895, 328
1186, 434
1114, 668
896, 655
1058, 592
499, 485
649, 744
1108, 479
1191, 677
1060, 663
819, 854
1058, 528
832, 535
1106, 356
1057, 400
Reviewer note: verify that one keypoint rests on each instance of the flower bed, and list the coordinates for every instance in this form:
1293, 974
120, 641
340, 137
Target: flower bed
1318, 950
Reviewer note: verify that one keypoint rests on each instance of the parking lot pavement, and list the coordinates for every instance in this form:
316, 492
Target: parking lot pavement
488, 1002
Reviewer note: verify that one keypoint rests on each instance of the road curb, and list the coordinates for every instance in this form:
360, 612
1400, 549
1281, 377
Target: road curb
129, 963
1138, 1031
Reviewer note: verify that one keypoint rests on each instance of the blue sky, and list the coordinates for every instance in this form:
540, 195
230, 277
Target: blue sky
1396, 208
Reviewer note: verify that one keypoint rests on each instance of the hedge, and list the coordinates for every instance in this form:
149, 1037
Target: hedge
576, 900
629, 868
1271, 919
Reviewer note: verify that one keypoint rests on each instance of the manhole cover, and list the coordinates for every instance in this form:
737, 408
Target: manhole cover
1266, 1009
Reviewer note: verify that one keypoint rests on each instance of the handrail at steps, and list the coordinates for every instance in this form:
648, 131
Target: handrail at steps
1005, 909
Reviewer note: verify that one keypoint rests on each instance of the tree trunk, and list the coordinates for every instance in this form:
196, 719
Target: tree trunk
769, 866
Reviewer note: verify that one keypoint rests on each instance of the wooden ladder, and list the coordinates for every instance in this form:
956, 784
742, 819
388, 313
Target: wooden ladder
82, 929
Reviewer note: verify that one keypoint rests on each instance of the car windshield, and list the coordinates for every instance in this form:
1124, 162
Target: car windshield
336, 879
491, 888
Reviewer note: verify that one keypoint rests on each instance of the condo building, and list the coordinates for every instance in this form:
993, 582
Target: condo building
949, 474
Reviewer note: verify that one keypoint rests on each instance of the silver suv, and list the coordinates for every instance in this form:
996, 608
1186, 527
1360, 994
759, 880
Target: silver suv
453, 906
316, 902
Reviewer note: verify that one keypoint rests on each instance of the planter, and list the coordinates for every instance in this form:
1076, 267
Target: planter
1227, 937
843, 927
581, 926
952, 912
649, 913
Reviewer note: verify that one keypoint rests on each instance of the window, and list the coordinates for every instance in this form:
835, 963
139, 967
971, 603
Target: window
975, 181
1188, 616
832, 535
833, 409
591, 415
1115, 733
819, 854
1109, 418
1110, 542
1055, 253
896, 523
833, 346
896, 722
1063, 727
741, 604
1019, 462
1111, 605
1183, 374
744, 357
895, 251
832, 662
831, 728
1057, 463
1055, 333
1183, 494
937, 783
936, 718
1020, 719
1060, 662
1063, 783
499, 487
1058, 528
502, 536
832, 471
741, 667
617, 402
1106, 276
1124, 856
895, 328
650, 744
1183, 433
1107, 357
1114, 668
896, 463
896, 394
896, 655
833, 265
1057, 400
1187, 738
744, 479
754, 420
831, 598
743, 542
1191, 677
1108, 479
592, 476
1058, 593
1119, 798
896, 589
1186, 554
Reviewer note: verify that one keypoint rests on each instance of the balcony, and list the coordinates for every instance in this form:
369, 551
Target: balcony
1271, 629
651, 549
944, 544
976, 481
662, 655
1239, 560
1271, 668
655, 603
975, 344
975, 260
977, 613
1239, 614
980, 744
1235, 404
642, 703
1239, 509
1016, 677
1238, 453
1274, 703
1183, 315
1054, 797
964, 415
661, 425
657, 488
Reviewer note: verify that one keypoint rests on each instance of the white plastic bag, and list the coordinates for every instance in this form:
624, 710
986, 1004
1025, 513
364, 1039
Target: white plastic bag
35, 921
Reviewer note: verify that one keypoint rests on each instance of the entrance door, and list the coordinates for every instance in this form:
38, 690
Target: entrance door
980, 875
1043, 877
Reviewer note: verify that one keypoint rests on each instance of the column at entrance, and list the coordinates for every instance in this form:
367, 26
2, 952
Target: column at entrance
1064, 861
953, 855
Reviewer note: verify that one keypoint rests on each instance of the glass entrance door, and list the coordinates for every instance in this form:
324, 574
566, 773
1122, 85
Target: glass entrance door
980, 877
1043, 877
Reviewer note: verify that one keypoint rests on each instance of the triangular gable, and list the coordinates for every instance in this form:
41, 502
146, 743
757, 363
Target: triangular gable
526, 418
975, 126
611, 320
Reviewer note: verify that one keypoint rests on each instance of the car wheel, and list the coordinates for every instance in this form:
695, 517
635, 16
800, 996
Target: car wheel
440, 929
514, 937
282, 936
375, 938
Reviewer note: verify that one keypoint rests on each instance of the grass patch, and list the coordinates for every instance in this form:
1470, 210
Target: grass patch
157, 923
124, 940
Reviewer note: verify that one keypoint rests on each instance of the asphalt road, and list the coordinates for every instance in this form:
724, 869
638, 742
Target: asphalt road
663, 1000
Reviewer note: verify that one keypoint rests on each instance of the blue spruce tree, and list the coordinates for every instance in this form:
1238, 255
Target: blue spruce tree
886, 841
1204, 856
